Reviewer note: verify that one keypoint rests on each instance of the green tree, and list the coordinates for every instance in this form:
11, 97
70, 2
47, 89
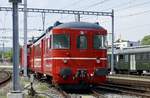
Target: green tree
8, 55
146, 40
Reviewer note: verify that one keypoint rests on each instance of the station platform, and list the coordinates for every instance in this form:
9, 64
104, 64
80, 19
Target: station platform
3, 66
8, 67
130, 80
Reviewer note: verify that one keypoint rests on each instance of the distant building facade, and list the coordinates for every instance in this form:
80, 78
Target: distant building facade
120, 44
5, 49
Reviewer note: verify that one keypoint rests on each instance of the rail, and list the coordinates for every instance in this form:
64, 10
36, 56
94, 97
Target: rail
62, 92
125, 89
139, 81
96, 94
4, 77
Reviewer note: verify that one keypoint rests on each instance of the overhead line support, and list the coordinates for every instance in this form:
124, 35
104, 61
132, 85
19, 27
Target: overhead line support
59, 11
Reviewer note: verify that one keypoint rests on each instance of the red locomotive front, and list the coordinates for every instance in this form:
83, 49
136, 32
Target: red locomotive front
70, 53
77, 53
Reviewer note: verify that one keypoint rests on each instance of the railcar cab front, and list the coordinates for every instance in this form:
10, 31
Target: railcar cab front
78, 52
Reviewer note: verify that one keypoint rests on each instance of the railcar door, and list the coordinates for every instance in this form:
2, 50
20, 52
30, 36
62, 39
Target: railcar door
132, 62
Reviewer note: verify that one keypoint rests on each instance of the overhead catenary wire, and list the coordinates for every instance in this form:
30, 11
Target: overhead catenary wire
124, 7
21, 29
116, 6
95, 4
119, 5
135, 27
134, 14
72, 4
78, 2
132, 6
130, 15
10, 37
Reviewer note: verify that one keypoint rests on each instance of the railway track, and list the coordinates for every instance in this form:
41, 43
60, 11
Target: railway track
4, 77
125, 90
96, 94
63, 93
133, 80
132, 76
129, 87
90, 93
70, 93
87, 94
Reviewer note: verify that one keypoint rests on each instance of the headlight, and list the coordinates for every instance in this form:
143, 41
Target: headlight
65, 61
97, 60
91, 74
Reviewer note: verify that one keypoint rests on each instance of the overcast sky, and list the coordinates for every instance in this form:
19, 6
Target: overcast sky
131, 16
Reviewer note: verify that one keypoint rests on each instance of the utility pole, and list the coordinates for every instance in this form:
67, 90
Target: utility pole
25, 38
16, 92
112, 48
43, 21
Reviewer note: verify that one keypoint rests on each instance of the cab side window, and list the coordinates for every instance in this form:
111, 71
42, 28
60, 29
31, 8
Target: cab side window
49, 44
82, 42
99, 42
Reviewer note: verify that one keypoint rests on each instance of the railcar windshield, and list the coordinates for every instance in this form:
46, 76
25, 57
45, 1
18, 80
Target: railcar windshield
99, 42
82, 42
61, 41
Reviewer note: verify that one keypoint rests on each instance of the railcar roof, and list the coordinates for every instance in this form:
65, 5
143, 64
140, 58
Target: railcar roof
79, 25
134, 50
131, 50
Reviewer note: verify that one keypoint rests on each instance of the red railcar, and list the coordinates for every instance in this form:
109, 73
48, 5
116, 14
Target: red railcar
21, 55
71, 53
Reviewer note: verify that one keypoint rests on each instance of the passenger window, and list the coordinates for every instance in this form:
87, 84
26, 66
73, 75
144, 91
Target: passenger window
141, 56
126, 58
149, 56
144, 56
82, 42
120, 57
138, 57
